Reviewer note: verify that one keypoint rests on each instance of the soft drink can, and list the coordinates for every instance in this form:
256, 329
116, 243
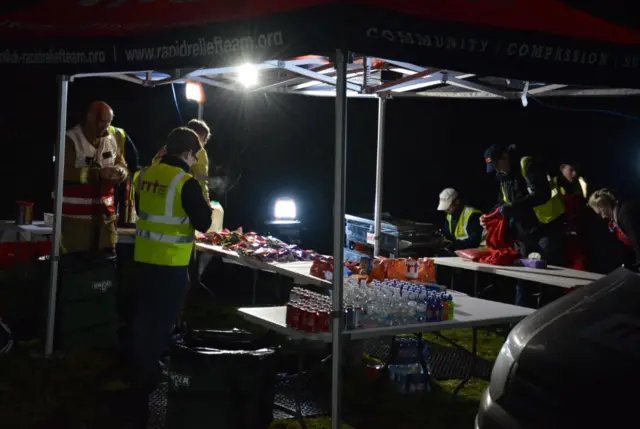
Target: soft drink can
348, 317
296, 315
289, 318
293, 295
310, 321
357, 317
324, 320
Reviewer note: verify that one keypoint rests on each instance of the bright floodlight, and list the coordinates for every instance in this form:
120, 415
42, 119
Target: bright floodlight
285, 209
194, 92
248, 75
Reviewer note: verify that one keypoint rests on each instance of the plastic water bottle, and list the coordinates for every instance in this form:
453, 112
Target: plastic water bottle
421, 309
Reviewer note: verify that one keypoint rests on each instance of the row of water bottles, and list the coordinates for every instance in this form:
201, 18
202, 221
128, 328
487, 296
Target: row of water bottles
392, 302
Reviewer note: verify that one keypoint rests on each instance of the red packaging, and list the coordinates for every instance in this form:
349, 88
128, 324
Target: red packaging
322, 321
296, 316
302, 321
310, 320
322, 267
290, 311
473, 254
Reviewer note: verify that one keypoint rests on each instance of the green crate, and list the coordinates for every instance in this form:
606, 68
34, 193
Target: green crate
78, 315
98, 336
87, 284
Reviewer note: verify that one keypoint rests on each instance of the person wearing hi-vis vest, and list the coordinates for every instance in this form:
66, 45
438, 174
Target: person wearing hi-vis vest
535, 213
93, 165
462, 226
170, 207
574, 191
200, 169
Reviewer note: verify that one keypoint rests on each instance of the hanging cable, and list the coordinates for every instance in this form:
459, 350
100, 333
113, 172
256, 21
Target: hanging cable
580, 110
175, 101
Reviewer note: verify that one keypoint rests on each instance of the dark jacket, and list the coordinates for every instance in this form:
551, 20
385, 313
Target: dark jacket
627, 217
474, 230
193, 202
523, 194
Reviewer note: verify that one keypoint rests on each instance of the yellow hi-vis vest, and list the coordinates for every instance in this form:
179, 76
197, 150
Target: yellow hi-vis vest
460, 232
164, 235
549, 211
583, 187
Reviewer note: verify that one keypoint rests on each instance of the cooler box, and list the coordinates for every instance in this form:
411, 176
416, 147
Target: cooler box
15, 249
221, 379
86, 315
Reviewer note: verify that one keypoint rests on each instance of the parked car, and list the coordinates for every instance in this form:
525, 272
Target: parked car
575, 363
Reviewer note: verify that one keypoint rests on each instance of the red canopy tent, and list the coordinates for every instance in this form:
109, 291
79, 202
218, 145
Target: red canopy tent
546, 40
546, 44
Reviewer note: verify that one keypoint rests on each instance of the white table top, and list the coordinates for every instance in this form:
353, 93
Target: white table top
37, 231
298, 270
37, 228
468, 313
552, 275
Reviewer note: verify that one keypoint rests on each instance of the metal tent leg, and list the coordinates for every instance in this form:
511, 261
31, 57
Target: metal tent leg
338, 234
200, 110
57, 213
379, 167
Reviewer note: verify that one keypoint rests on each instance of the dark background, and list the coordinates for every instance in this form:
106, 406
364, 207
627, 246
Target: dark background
282, 145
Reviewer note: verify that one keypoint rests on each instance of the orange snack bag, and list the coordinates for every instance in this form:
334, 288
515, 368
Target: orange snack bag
426, 270
396, 269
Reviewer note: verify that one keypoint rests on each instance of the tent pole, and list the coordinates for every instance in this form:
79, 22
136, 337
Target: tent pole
63, 82
200, 110
338, 234
382, 106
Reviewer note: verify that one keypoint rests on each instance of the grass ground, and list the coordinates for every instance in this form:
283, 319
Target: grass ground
63, 392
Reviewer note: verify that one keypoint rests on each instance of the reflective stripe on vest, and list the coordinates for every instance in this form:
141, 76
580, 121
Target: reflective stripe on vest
584, 190
84, 200
156, 236
460, 232
549, 211
164, 235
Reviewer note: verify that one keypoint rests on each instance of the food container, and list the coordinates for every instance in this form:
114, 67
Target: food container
533, 263
48, 219
24, 213
217, 217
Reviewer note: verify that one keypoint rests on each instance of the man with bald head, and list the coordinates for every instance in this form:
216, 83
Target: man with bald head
94, 164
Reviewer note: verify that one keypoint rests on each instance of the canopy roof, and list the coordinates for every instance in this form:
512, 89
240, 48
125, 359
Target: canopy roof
366, 77
534, 40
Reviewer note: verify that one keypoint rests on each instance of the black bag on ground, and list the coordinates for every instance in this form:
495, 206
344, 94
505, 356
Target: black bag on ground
221, 379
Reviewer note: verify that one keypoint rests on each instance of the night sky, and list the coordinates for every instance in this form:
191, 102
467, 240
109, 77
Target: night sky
282, 145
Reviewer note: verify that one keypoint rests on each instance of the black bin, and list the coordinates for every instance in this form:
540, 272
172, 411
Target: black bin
221, 379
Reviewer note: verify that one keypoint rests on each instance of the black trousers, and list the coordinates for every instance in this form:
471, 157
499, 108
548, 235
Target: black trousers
549, 241
161, 290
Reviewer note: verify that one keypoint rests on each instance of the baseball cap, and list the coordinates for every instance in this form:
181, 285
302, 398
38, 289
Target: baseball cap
447, 197
490, 156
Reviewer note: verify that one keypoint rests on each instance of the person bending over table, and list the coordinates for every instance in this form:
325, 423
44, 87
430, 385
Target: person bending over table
623, 217
534, 212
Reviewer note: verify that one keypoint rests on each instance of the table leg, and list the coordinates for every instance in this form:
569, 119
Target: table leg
297, 388
254, 287
475, 284
474, 361
423, 363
